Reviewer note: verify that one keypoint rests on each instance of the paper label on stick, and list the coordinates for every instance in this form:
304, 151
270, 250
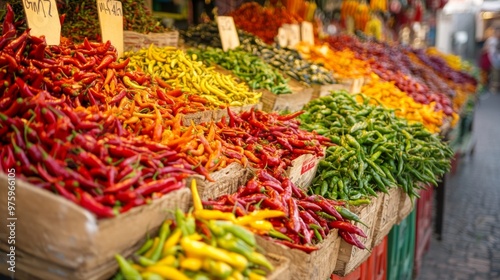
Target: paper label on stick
282, 37
228, 34
307, 32
293, 35
111, 19
43, 20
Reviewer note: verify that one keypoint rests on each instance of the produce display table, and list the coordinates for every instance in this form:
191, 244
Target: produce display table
259, 162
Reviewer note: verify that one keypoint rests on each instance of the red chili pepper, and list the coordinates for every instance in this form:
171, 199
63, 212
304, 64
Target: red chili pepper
293, 214
105, 62
276, 186
121, 65
308, 219
8, 22
17, 41
118, 97
304, 248
24, 89
346, 226
107, 199
121, 151
290, 116
64, 192
351, 239
125, 184
89, 203
306, 205
155, 186
325, 205
323, 223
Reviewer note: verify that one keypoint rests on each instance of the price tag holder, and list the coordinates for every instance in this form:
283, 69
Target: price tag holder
228, 34
111, 19
43, 20
282, 37
293, 35
307, 32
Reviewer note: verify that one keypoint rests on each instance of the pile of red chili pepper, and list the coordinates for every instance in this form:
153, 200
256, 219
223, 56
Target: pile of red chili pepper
269, 140
308, 219
59, 103
85, 156
263, 22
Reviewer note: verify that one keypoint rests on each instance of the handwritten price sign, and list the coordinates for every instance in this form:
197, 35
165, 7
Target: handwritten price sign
307, 32
111, 19
228, 35
43, 19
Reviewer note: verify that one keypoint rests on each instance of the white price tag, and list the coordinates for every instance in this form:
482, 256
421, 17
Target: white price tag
228, 34
111, 19
293, 35
307, 32
43, 20
282, 37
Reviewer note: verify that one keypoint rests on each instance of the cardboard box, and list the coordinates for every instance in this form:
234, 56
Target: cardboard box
318, 264
281, 267
226, 181
303, 170
350, 257
63, 234
387, 214
292, 102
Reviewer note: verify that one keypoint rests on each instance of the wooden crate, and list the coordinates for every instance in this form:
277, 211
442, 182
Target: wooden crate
134, 41
350, 257
226, 181
406, 205
292, 102
325, 90
281, 267
303, 170
197, 118
387, 214
318, 264
64, 236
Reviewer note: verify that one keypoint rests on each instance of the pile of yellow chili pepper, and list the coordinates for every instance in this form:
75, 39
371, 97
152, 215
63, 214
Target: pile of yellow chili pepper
185, 72
343, 63
204, 244
391, 96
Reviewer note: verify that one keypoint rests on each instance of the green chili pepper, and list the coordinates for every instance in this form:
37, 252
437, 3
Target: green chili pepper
126, 269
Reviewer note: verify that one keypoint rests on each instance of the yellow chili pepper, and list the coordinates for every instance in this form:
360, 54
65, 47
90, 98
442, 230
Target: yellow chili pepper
196, 197
259, 215
169, 260
206, 214
255, 276
199, 249
172, 241
262, 225
151, 276
193, 264
168, 272
217, 268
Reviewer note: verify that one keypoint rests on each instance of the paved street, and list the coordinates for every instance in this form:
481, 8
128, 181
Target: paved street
470, 249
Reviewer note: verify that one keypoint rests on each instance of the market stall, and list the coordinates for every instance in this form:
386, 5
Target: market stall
279, 158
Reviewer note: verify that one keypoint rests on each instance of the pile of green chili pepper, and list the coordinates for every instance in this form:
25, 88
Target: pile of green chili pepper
250, 68
288, 61
375, 150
